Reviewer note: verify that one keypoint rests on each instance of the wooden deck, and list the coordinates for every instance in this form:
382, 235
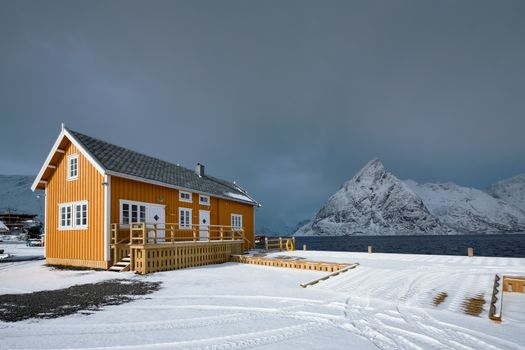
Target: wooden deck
146, 248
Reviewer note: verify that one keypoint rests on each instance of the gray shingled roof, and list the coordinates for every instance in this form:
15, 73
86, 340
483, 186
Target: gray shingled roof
124, 161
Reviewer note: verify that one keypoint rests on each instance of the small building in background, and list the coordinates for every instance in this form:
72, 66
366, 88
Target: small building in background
3, 228
16, 222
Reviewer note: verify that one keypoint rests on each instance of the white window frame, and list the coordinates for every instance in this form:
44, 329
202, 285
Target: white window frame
236, 221
130, 213
184, 199
207, 202
70, 159
72, 225
183, 225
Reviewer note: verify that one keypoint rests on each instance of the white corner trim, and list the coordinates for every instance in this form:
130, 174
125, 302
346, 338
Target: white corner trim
45, 222
107, 217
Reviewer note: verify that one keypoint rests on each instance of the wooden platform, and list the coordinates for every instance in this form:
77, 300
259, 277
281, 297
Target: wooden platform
289, 263
507, 284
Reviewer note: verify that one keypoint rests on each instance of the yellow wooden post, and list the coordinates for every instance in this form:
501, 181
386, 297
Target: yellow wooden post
280, 244
131, 259
222, 233
194, 233
144, 233
154, 233
172, 233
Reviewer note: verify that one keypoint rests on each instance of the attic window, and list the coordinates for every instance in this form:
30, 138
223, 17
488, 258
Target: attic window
185, 196
72, 167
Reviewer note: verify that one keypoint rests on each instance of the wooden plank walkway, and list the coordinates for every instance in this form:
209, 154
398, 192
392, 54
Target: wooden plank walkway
333, 274
290, 263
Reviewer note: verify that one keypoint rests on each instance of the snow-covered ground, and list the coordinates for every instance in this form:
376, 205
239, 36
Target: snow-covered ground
384, 303
20, 249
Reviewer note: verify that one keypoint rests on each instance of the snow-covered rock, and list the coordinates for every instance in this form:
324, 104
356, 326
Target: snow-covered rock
510, 190
373, 202
468, 210
16, 195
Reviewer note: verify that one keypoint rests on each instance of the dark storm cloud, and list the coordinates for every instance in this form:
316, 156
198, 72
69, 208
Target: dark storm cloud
290, 98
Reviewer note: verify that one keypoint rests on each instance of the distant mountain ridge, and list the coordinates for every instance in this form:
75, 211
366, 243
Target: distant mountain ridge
375, 202
16, 195
510, 190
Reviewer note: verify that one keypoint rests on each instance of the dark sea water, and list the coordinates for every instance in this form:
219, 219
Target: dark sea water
507, 245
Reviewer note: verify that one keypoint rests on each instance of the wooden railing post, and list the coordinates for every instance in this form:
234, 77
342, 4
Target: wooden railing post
172, 232
131, 259
144, 233
222, 233
154, 233
194, 229
280, 244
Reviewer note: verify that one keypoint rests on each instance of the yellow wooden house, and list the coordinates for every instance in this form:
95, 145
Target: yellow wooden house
110, 207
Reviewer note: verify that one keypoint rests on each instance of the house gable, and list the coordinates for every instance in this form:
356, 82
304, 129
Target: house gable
72, 243
57, 153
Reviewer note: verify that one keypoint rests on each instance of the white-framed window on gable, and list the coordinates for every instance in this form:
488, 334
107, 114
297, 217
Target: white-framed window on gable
185, 196
184, 218
73, 216
131, 212
204, 200
72, 167
237, 221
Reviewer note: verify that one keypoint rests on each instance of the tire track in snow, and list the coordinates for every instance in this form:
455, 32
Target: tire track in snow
231, 342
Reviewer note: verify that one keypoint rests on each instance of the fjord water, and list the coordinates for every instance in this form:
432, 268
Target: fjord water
501, 245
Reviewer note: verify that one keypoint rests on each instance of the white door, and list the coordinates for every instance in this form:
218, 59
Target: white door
155, 214
204, 222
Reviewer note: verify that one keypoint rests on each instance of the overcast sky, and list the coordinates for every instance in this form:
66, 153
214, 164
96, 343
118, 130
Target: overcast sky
289, 98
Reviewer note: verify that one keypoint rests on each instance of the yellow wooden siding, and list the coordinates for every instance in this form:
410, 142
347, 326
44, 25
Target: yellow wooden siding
86, 244
220, 209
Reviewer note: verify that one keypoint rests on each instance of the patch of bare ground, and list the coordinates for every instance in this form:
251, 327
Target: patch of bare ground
439, 298
474, 305
67, 301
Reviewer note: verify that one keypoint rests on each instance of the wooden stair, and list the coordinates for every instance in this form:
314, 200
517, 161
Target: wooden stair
122, 266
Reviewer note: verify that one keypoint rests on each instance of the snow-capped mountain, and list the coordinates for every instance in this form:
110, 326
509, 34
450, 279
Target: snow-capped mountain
510, 190
468, 210
16, 195
373, 202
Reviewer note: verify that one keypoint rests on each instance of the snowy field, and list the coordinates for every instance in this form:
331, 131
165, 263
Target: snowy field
385, 303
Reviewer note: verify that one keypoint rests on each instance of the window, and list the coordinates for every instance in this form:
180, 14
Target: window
237, 221
185, 196
204, 200
72, 167
184, 218
73, 216
132, 212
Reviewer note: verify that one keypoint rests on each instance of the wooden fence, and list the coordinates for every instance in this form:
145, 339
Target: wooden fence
279, 243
